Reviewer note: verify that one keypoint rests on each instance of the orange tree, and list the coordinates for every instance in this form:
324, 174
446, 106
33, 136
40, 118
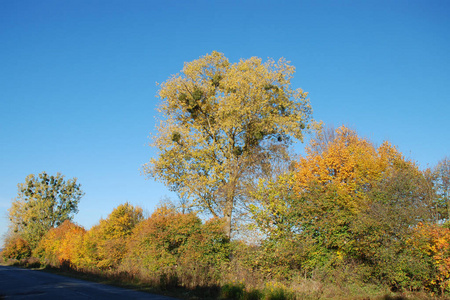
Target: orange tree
433, 243
61, 245
16, 248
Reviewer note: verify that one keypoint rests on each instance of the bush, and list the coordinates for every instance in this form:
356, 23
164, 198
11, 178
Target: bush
275, 291
253, 294
174, 244
105, 243
61, 245
16, 248
233, 291
433, 243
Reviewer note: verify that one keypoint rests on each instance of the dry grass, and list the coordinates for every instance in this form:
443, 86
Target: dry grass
238, 283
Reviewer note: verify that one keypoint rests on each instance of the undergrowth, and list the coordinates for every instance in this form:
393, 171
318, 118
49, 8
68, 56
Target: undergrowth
170, 285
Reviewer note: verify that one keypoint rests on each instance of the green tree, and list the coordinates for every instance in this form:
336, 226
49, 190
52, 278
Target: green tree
223, 123
43, 202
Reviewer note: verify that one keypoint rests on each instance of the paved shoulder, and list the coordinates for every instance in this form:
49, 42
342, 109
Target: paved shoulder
16, 283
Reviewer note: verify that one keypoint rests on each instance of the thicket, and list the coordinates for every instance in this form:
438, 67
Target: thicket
348, 220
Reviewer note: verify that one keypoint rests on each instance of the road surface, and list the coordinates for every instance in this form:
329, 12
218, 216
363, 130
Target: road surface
16, 283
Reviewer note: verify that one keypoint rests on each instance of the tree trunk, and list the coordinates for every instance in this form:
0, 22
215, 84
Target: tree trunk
228, 210
229, 205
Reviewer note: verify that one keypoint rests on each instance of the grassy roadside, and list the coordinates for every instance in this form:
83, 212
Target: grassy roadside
120, 280
233, 290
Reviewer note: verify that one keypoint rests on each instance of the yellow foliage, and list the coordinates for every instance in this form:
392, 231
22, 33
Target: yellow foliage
348, 162
62, 244
16, 248
220, 122
105, 243
434, 242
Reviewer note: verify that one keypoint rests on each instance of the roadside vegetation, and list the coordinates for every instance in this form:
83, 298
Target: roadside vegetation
347, 220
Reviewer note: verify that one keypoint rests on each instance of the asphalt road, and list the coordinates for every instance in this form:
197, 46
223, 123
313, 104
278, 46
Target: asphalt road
16, 283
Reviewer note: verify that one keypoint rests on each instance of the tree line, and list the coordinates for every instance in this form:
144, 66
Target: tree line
347, 213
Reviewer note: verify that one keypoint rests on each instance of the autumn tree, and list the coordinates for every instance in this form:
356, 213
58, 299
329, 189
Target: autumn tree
346, 200
223, 122
16, 248
43, 202
178, 245
61, 245
105, 243
433, 243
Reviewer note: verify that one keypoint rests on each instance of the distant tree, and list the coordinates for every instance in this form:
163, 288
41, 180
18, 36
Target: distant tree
442, 184
223, 122
43, 202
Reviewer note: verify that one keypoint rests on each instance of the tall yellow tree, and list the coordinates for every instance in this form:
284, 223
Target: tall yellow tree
221, 123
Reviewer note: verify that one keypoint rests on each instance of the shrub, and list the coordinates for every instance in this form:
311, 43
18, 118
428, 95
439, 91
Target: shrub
16, 248
253, 294
276, 291
61, 245
170, 243
156, 243
433, 243
105, 243
233, 291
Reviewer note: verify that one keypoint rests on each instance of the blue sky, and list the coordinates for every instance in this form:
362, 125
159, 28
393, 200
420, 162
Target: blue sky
78, 80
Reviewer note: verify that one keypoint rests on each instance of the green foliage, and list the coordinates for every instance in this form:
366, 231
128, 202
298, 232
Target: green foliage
348, 219
233, 291
43, 202
346, 202
278, 294
253, 294
169, 242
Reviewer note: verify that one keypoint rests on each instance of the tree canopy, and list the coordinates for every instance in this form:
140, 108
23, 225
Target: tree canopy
43, 202
346, 199
222, 123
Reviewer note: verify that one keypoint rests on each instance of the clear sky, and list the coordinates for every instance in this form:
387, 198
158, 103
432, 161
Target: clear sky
78, 79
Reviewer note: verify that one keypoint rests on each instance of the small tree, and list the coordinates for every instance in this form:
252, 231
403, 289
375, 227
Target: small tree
223, 122
43, 202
